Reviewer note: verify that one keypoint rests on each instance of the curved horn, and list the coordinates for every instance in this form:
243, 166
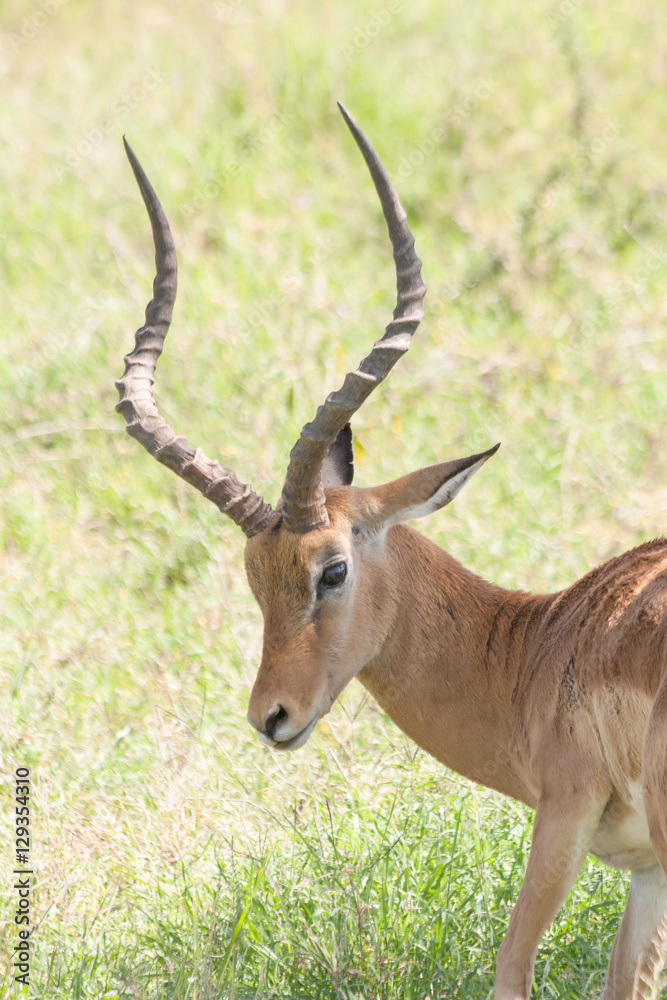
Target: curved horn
303, 493
137, 405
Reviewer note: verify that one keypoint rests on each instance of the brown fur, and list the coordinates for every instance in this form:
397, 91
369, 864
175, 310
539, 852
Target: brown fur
558, 700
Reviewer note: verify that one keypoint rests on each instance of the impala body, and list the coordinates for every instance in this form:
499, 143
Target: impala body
558, 700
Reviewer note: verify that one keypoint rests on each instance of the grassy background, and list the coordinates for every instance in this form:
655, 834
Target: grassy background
176, 858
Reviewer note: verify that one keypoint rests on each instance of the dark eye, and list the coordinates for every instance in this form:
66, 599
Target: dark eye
333, 575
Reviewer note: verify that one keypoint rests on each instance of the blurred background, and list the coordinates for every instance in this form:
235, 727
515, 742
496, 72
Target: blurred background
174, 856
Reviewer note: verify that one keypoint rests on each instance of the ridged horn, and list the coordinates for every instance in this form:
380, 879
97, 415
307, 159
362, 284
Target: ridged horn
304, 506
245, 507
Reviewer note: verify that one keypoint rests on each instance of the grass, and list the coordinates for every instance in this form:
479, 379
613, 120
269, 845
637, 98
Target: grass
175, 857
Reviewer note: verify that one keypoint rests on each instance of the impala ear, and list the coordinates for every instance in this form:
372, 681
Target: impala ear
422, 492
338, 464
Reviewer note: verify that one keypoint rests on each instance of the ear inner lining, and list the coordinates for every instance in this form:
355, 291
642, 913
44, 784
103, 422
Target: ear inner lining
425, 491
338, 464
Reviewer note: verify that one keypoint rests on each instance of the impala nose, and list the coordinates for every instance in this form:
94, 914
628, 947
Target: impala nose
273, 720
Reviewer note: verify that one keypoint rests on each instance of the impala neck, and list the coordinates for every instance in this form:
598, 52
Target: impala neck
448, 676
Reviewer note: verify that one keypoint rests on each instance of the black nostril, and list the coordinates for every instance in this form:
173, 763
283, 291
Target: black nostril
272, 720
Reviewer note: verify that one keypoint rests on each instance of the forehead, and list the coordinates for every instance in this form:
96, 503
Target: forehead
277, 558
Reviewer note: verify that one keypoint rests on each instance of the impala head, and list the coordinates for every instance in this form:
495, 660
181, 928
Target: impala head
319, 564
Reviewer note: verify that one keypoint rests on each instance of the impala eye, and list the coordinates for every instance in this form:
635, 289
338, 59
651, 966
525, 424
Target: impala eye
333, 575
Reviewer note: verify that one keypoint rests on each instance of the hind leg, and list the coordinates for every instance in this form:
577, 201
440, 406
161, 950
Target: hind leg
637, 955
654, 774
639, 949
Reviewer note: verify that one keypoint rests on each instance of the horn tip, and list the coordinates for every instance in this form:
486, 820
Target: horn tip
131, 155
349, 120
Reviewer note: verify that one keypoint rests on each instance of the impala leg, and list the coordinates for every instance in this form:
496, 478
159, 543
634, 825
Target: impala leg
562, 835
641, 943
654, 775
637, 955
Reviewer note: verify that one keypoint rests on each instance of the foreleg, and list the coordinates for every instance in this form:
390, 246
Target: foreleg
562, 835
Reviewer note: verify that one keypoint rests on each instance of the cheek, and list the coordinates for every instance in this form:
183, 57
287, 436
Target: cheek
349, 635
371, 619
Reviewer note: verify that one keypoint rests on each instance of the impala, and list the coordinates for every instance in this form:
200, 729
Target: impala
558, 700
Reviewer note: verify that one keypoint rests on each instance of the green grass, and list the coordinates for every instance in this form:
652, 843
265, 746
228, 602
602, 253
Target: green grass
175, 857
